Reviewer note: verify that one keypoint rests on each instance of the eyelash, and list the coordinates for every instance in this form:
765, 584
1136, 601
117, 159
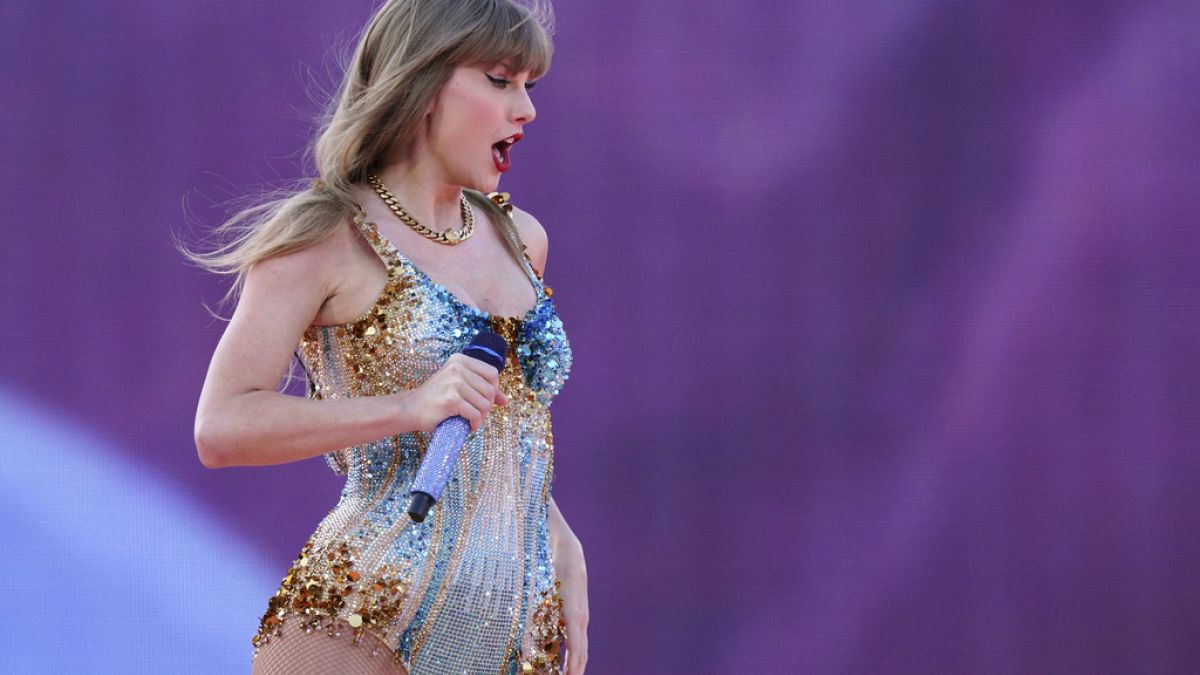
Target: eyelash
503, 84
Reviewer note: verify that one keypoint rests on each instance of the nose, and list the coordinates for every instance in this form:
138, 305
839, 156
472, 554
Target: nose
524, 112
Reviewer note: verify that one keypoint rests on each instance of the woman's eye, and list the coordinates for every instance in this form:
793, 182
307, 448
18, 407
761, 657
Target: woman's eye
502, 83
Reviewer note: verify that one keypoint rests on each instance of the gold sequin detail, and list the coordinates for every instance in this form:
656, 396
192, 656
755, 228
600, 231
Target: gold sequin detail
548, 634
317, 587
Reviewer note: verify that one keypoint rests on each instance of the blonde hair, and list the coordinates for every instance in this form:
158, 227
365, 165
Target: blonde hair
404, 56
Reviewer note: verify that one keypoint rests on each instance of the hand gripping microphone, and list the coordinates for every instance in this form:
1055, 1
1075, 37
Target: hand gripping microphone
449, 436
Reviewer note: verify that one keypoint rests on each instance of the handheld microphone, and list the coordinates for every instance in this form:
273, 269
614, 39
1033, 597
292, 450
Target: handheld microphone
449, 436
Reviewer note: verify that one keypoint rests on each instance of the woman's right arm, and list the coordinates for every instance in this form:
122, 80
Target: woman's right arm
242, 420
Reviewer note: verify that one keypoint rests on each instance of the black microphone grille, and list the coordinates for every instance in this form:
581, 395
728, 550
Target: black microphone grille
489, 348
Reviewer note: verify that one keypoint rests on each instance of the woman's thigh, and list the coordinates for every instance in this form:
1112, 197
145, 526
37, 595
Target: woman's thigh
297, 653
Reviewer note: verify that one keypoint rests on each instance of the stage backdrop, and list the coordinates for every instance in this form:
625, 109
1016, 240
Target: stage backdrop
885, 319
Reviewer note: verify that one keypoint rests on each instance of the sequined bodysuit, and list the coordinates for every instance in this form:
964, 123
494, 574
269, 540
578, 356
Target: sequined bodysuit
472, 588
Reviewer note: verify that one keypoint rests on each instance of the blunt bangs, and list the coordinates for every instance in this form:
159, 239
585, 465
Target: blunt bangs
508, 33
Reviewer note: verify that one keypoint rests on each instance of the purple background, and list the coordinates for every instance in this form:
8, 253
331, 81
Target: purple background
885, 319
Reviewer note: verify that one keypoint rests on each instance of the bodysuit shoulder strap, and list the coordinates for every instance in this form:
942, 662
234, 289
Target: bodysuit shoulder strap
509, 227
370, 232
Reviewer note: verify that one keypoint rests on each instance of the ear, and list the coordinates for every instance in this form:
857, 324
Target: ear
435, 102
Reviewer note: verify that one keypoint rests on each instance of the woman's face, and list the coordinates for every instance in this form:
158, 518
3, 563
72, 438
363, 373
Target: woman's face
475, 119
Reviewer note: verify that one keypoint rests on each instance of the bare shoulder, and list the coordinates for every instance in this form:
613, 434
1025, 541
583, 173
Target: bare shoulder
533, 235
281, 295
293, 286
303, 269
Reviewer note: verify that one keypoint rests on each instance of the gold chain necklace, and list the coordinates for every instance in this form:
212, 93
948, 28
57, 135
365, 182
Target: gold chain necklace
449, 237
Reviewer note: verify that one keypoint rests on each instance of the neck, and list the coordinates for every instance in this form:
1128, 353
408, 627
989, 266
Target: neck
432, 202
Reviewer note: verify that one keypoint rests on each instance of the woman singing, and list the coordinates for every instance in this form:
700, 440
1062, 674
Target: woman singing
376, 277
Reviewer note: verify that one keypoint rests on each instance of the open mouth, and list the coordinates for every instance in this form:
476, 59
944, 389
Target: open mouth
500, 156
500, 152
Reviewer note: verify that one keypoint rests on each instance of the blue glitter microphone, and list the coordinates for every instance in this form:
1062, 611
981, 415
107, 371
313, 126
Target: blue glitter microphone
449, 436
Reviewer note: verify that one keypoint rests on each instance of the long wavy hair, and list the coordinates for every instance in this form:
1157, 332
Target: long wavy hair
404, 56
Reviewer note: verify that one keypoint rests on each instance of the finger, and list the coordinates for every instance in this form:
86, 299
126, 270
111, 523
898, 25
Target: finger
462, 364
470, 399
461, 361
485, 388
493, 379
473, 417
485, 370
473, 406
576, 647
577, 659
492, 375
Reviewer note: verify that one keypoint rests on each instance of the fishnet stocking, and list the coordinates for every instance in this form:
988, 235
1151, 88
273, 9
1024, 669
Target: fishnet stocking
295, 653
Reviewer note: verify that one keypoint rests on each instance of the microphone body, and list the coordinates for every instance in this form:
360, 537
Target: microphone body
450, 435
